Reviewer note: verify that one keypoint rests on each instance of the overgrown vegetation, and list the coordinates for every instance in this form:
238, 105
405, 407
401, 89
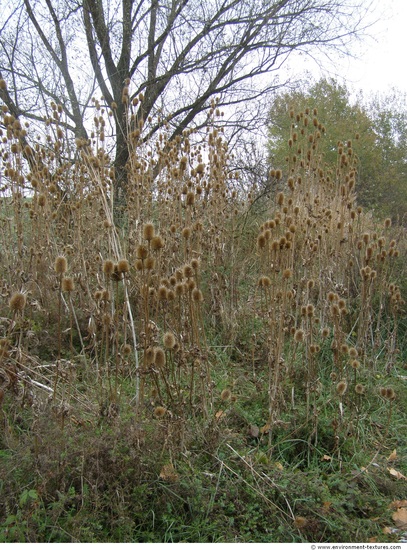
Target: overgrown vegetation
216, 366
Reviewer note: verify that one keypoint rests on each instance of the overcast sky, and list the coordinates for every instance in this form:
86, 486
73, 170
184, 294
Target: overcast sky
381, 57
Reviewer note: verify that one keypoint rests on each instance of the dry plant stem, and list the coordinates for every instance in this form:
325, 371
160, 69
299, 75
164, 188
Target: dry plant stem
109, 209
60, 276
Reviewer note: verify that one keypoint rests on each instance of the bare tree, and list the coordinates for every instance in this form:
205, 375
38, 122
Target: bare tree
179, 54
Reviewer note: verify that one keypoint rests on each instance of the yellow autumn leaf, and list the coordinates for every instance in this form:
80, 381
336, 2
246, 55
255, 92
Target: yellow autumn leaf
219, 414
168, 473
279, 466
398, 504
326, 458
386, 531
396, 473
400, 518
265, 429
393, 456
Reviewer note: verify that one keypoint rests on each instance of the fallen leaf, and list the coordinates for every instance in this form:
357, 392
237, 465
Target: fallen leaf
265, 429
279, 466
387, 530
168, 473
372, 539
396, 474
393, 456
219, 414
398, 504
326, 458
400, 518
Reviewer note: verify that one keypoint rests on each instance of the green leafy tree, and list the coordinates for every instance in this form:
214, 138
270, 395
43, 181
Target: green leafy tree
377, 132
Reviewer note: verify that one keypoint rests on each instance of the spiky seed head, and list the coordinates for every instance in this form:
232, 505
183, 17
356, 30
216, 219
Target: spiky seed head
126, 350
157, 243
108, 267
149, 355
287, 273
159, 357
162, 292
61, 265
17, 301
169, 340
299, 335
261, 241
387, 222
160, 412
353, 352
179, 289
188, 271
341, 387
355, 364
123, 266
300, 522
390, 394
197, 295
3, 84
226, 394
186, 233
359, 389
150, 262
105, 295
190, 198
148, 231
195, 263
142, 252
68, 284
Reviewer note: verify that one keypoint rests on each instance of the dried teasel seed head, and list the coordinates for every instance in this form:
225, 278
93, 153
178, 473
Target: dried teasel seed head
299, 335
123, 266
126, 350
197, 295
359, 389
159, 357
149, 263
108, 267
195, 264
287, 273
61, 265
226, 394
186, 233
325, 332
148, 231
188, 271
300, 522
169, 340
17, 301
149, 355
162, 292
68, 284
390, 394
160, 412
142, 252
344, 348
341, 387
261, 241
157, 243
